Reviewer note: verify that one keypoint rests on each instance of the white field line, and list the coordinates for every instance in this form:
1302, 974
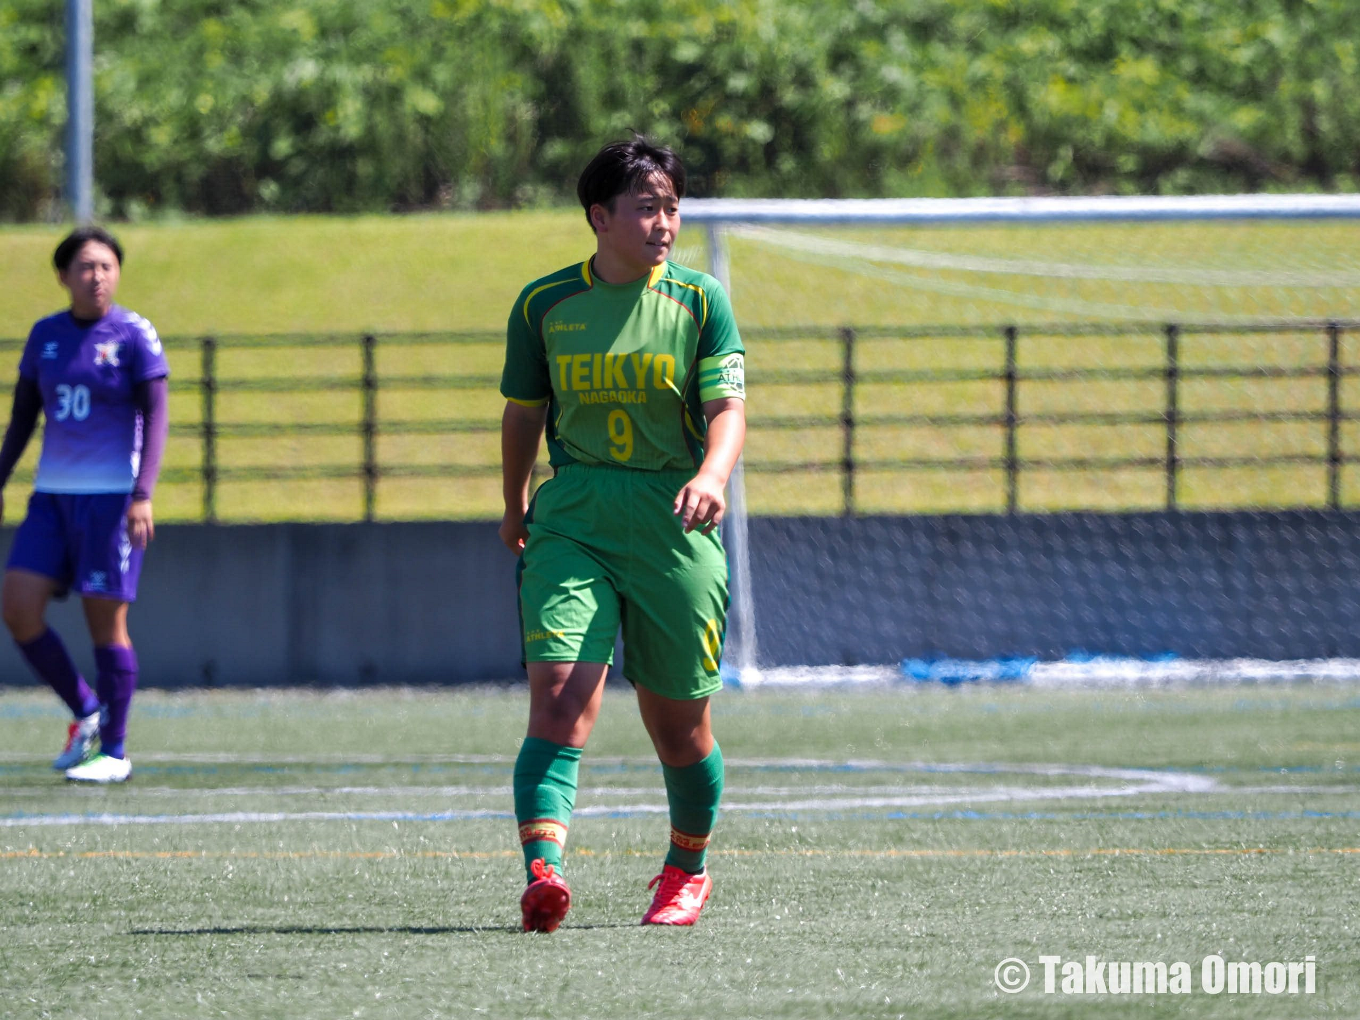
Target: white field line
1118, 783
1111, 783
605, 792
585, 792
640, 761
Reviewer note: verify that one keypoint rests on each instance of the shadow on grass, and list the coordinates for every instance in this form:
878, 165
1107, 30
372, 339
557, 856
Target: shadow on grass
470, 929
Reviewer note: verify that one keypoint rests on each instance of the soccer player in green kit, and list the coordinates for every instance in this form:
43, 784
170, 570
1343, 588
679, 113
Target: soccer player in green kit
635, 368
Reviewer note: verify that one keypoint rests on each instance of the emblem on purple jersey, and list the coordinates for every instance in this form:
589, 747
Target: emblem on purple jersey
106, 353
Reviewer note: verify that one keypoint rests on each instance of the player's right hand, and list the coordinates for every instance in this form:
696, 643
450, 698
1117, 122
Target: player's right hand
140, 527
513, 532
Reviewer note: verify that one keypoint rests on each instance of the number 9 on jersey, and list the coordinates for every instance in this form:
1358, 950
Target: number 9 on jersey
620, 435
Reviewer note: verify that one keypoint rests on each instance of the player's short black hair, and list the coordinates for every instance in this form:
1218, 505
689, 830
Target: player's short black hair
77, 239
626, 168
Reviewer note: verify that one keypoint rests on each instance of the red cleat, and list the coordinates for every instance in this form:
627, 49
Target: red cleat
679, 898
547, 899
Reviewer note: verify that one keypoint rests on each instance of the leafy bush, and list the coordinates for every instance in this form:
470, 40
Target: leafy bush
232, 106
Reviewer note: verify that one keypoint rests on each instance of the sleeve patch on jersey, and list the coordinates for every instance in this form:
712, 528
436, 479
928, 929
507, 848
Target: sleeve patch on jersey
721, 377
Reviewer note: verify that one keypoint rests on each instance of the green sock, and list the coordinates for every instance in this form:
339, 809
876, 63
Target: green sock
693, 793
545, 793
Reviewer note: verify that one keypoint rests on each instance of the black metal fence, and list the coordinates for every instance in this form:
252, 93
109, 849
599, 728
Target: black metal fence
1329, 367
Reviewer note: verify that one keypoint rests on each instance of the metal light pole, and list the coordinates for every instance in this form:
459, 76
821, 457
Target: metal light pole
80, 109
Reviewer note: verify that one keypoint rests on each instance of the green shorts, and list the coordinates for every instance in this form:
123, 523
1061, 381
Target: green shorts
606, 550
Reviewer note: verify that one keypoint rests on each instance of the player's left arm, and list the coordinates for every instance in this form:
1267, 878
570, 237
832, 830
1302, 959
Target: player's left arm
150, 393
152, 399
701, 504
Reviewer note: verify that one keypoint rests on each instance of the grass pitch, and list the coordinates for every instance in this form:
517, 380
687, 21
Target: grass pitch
297, 854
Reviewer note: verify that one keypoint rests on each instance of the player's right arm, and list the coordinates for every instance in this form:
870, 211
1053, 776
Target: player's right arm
527, 389
521, 431
23, 417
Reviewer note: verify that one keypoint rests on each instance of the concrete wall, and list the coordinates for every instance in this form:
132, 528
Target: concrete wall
435, 603
316, 604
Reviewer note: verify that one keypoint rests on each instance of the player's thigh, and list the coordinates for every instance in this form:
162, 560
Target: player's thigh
106, 564
675, 617
23, 597
569, 609
42, 542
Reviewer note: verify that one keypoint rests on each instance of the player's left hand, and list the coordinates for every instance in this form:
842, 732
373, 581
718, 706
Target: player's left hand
139, 524
701, 504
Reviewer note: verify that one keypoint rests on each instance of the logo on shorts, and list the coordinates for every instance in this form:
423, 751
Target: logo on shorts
124, 553
106, 353
97, 581
543, 635
50, 350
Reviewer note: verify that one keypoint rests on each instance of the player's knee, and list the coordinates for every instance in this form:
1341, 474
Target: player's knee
563, 720
681, 747
22, 618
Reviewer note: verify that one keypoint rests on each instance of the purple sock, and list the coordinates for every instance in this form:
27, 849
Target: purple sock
50, 660
116, 681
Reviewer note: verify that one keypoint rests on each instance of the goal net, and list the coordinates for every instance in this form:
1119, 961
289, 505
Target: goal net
1060, 365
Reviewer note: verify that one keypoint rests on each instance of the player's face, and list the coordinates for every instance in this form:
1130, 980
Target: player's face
92, 279
638, 233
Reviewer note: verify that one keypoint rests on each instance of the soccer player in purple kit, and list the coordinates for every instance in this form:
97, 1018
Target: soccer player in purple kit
98, 373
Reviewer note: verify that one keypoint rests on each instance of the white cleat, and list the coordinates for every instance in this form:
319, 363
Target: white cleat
80, 743
101, 769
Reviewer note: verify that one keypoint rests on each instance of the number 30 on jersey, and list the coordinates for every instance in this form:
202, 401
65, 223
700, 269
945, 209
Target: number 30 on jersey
72, 402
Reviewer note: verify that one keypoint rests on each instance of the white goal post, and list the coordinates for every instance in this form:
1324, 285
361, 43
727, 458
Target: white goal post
723, 218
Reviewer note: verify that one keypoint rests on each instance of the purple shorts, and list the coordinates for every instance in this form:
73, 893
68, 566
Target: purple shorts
81, 542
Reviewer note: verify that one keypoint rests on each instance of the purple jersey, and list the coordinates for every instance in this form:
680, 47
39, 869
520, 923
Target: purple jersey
92, 439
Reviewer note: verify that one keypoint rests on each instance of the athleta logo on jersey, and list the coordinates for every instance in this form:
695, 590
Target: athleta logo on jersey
615, 378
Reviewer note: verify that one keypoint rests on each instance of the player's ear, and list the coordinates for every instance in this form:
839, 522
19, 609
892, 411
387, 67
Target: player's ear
599, 218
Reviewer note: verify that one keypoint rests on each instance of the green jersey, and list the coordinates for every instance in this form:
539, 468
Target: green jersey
624, 369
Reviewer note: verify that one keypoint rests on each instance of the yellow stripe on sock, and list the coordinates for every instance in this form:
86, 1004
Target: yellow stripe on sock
543, 829
687, 842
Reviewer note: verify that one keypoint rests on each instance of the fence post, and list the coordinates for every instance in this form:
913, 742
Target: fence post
848, 420
370, 425
1334, 416
208, 383
1012, 425
1173, 333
